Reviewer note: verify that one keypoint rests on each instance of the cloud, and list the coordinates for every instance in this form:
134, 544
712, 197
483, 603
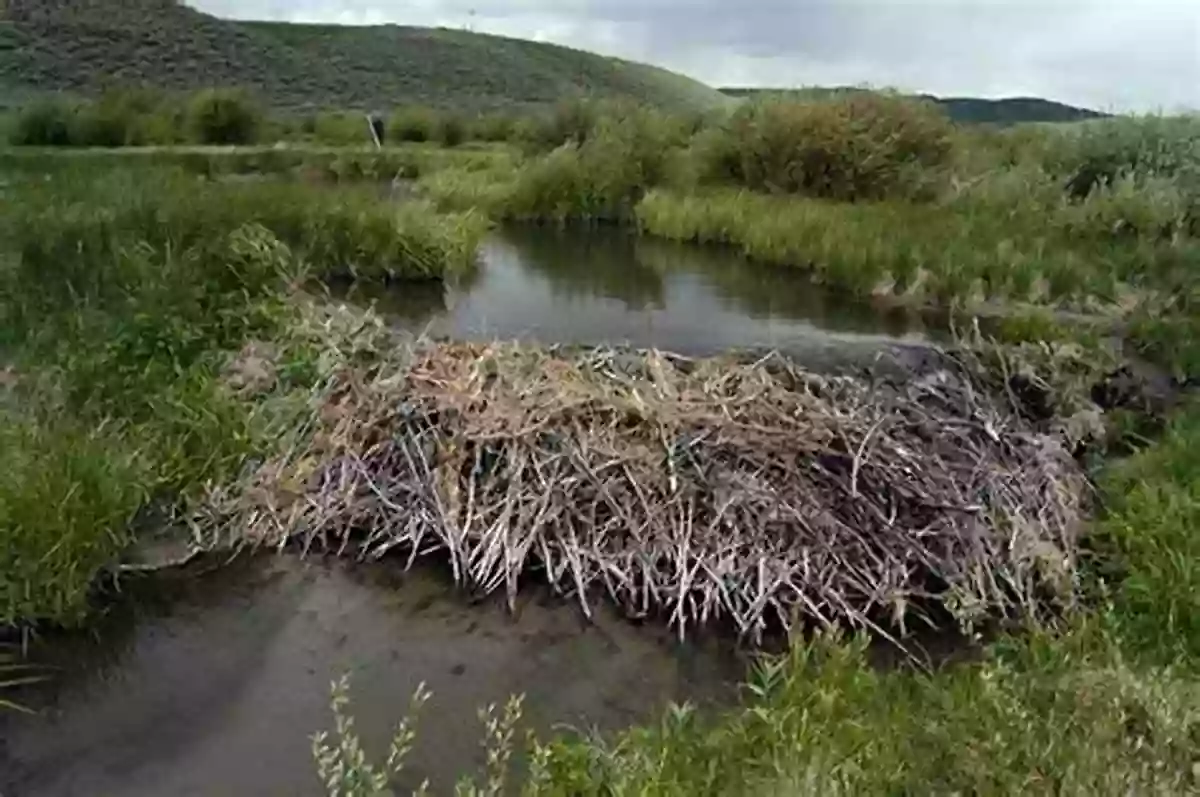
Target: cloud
1109, 54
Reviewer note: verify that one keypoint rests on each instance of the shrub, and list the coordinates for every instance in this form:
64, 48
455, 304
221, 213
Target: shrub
853, 146
341, 128
600, 178
493, 127
413, 124
451, 130
224, 116
44, 124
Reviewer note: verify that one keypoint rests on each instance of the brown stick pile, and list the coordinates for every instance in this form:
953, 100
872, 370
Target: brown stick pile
702, 490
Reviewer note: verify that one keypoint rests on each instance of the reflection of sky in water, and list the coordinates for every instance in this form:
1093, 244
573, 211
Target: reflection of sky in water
604, 287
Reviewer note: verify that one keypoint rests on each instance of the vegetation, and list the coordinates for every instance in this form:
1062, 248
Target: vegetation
965, 110
136, 292
882, 197
223, 117
81, 47
125, 295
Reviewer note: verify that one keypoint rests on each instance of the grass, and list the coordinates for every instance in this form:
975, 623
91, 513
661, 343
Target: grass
939, 254
124, 293
66, 502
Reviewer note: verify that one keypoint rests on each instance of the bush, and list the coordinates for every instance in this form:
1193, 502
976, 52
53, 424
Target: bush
44, 124
854, 146
493, 127
224, 116
341, 128
601, 178
451, 130
415, 124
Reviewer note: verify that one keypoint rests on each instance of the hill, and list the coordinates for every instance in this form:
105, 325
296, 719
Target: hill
968, 110
82, 45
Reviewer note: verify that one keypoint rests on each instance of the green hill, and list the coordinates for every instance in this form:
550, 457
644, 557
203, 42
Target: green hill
969, 110
82, 45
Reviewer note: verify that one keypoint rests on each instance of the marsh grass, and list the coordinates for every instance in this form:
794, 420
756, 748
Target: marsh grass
69, 492
945, 254
334, 230
123, 296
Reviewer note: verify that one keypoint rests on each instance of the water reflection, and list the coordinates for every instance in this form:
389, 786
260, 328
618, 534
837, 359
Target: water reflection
595, 287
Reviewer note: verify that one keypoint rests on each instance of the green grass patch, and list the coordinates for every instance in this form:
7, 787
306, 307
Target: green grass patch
69, 492
124, 294
955, 252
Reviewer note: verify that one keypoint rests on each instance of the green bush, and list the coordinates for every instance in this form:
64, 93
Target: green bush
451, 130
47, 123
413, 124
601, 178
493, 127
850, 147
341, 129
224, 117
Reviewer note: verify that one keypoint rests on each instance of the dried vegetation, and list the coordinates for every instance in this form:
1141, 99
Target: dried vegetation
697, 490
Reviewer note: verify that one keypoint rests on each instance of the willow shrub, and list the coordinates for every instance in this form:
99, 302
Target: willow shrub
861, 145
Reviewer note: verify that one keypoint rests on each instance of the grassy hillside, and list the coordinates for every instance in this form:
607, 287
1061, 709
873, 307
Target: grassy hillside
972, 110
82, 45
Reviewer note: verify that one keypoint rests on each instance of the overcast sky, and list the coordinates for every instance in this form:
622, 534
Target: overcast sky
1106, 54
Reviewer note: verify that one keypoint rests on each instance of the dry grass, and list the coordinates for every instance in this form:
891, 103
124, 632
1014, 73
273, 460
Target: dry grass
700, 490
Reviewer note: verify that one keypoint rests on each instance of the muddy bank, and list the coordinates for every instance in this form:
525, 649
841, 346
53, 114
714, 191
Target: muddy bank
216, 688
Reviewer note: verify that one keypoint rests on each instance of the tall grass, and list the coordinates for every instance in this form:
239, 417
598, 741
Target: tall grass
123, 296
942, 254
337, 231
68, 494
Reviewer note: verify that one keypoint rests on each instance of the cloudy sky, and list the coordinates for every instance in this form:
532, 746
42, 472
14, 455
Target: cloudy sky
1107, 54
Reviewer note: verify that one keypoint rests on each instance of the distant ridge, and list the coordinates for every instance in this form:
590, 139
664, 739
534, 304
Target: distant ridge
82, 45
970, 110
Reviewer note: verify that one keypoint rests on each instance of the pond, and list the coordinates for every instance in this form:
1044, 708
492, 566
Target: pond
610, 287
213, 684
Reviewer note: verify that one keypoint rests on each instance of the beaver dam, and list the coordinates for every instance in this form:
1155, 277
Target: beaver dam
700, 491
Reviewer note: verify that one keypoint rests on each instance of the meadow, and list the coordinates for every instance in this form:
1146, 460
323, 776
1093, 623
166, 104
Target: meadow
136, 282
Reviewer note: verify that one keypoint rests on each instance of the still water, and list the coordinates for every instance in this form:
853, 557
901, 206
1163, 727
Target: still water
213, 684
610, 287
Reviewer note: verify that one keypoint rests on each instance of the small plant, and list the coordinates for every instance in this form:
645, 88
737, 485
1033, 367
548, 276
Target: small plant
342, 764
499, 740
345, 771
